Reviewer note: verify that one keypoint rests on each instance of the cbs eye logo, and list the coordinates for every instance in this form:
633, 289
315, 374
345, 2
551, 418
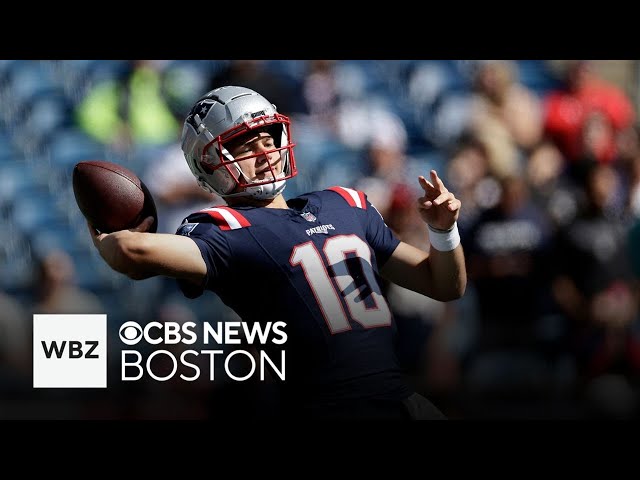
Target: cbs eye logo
155, 333
130, 333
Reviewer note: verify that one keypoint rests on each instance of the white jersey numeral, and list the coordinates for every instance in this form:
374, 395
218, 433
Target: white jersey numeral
327, 294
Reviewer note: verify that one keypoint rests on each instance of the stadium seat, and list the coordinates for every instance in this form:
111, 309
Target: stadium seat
68, 146
29, 78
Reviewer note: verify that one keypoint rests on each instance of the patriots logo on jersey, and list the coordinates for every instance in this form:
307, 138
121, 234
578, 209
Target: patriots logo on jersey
186, 228
308, 216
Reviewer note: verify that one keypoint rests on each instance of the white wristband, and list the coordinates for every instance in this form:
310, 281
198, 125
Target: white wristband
444, 241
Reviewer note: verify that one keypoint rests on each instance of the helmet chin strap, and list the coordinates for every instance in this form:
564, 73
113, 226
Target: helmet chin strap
262, 192
266, 191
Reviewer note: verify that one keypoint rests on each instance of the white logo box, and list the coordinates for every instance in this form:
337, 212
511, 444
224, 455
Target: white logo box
70, 351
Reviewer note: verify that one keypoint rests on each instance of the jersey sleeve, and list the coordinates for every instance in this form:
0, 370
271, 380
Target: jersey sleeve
215, 252
379, 235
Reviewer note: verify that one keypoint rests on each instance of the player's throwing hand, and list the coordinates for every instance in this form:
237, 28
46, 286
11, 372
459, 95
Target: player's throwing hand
438, 207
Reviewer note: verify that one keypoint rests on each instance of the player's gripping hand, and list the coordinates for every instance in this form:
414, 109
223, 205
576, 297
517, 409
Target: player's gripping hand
438, 207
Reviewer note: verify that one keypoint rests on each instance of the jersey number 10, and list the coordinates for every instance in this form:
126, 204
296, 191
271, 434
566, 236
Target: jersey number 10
335, 251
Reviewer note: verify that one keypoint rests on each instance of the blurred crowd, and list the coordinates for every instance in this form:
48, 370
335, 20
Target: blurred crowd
545, 157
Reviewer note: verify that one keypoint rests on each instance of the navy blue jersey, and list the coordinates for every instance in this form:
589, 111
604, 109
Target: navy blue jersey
314, 266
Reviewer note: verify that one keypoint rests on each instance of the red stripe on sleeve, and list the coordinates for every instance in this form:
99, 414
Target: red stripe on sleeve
238, 216
220, 221
362, 199
348, 198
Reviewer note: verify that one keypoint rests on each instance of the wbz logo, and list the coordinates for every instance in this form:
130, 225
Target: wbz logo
69, 351
75, 349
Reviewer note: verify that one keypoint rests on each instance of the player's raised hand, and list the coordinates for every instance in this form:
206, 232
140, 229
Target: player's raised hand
438, 207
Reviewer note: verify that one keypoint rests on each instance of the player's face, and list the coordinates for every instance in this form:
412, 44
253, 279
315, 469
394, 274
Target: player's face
262, 163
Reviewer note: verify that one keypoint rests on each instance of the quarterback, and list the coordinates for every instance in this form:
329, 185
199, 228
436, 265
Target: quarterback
314, 262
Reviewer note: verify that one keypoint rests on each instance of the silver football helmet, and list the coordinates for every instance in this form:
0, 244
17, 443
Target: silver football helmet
222, 115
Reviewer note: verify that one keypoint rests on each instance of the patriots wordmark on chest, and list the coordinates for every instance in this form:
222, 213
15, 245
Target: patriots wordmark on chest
320, 229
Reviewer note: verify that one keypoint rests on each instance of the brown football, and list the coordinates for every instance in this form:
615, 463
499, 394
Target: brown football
112, 197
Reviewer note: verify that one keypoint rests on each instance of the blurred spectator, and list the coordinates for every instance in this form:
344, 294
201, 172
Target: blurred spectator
321, 93
361, 123
596, 288
16, 379
55, 289
284, 91
552, 189
383, 139
175, 190
627, 165
586, 117
15, 337
628, 145
508, 250
633, 179
501, 102
401, 215
386, 163
597, 138
504, 158
633, 237
468, 171
129, 108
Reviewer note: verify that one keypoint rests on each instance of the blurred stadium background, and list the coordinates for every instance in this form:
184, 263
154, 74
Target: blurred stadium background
545, 156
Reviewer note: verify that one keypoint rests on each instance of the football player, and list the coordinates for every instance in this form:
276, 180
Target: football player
314, 261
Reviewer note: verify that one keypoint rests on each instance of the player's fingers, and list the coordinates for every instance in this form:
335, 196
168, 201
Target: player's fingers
443, 198
424, 203
437, 181
426, 185
96, 236
92, 230
144, 225
454, 205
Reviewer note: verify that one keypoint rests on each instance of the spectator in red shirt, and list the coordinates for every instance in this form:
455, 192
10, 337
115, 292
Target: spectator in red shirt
586, 97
